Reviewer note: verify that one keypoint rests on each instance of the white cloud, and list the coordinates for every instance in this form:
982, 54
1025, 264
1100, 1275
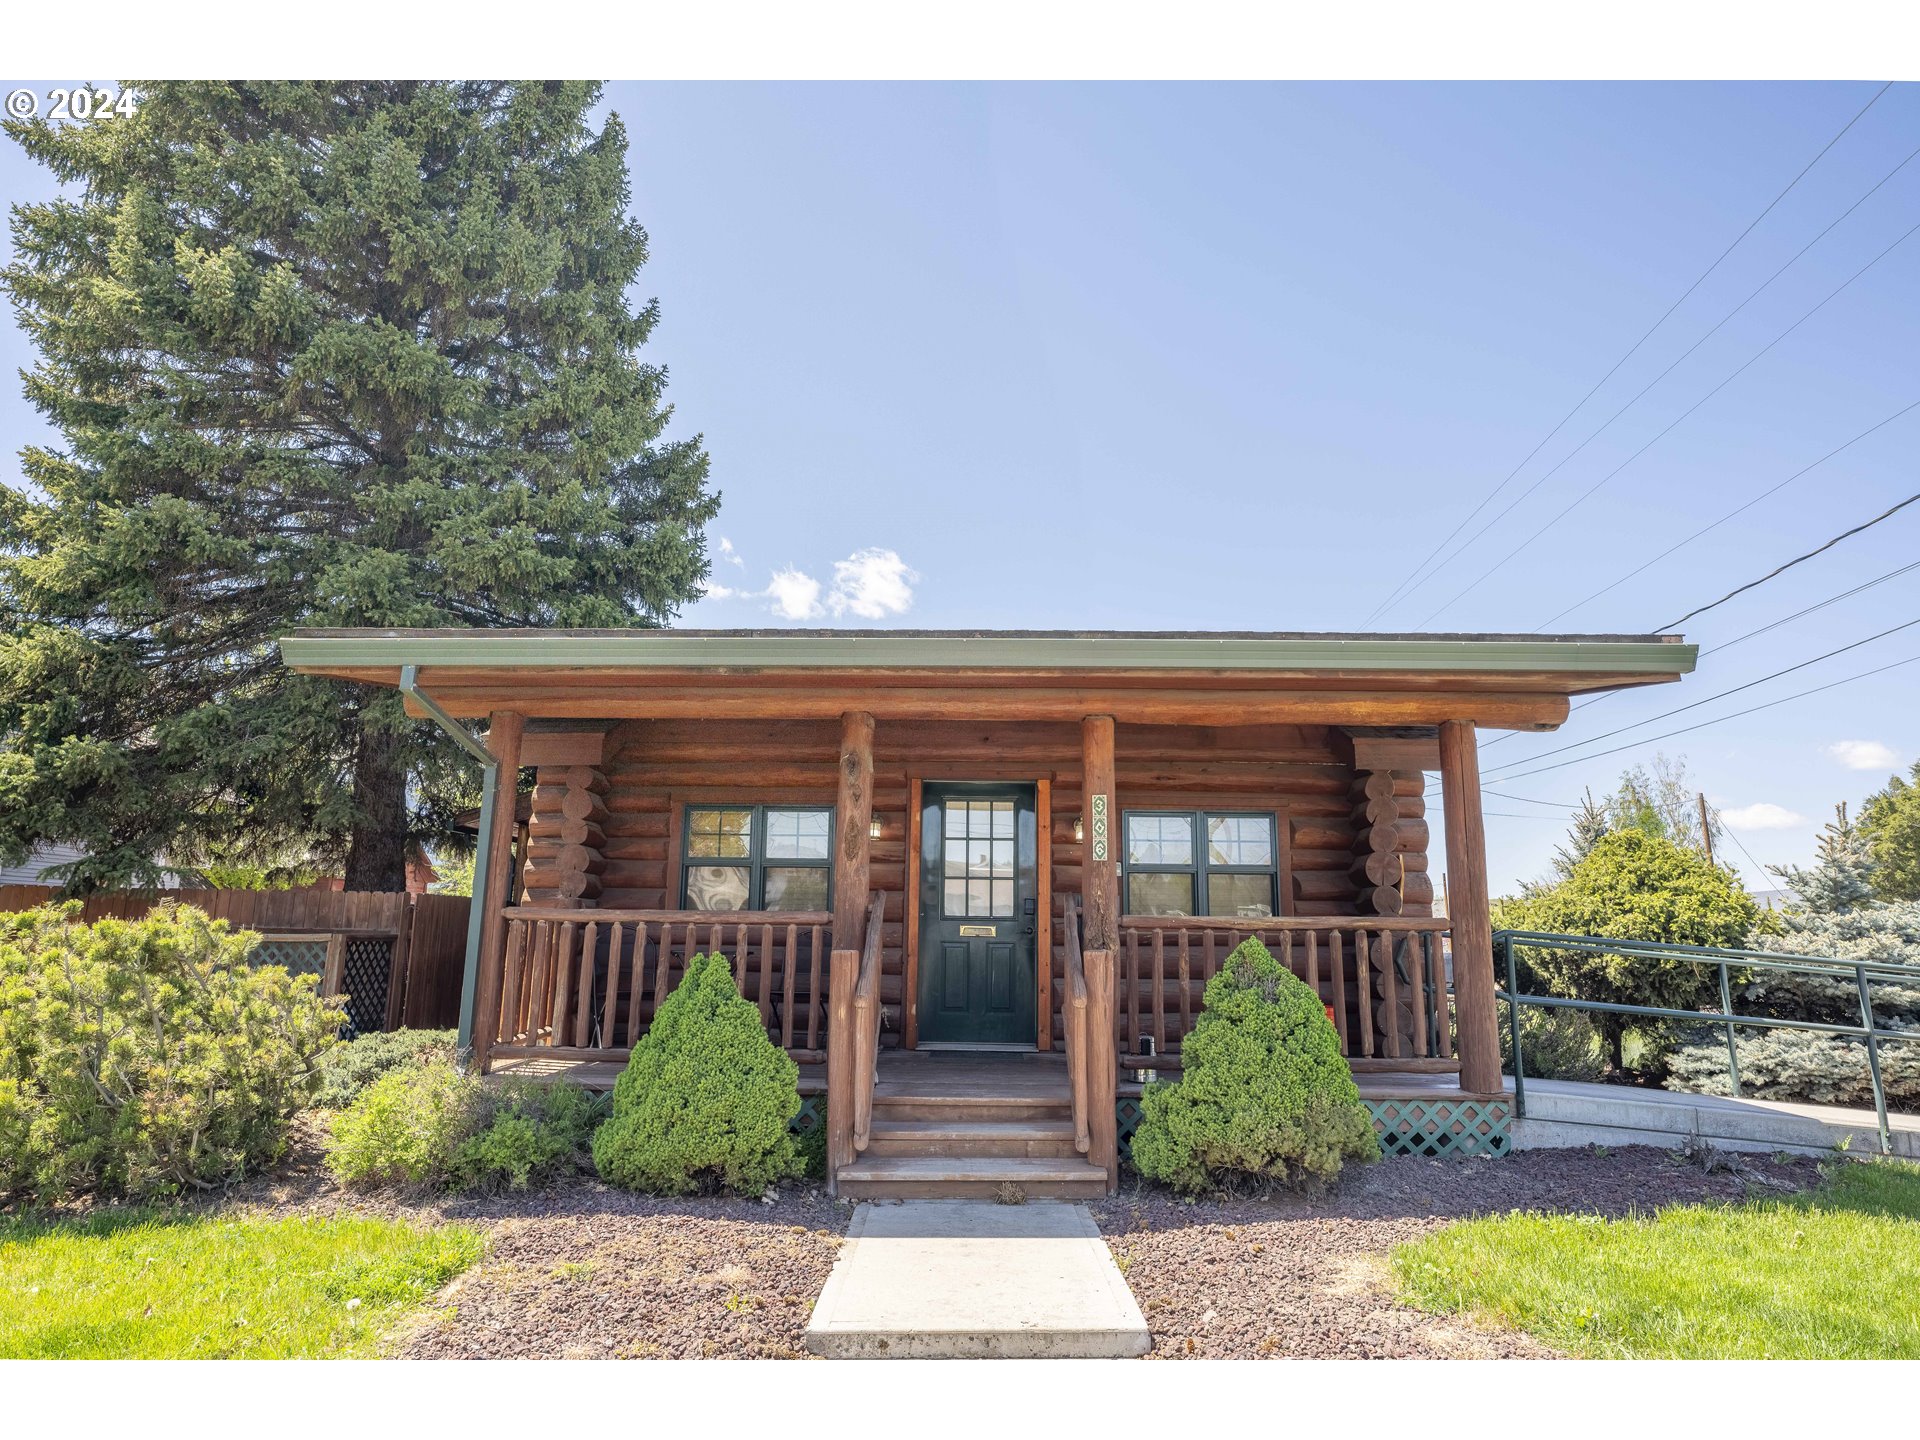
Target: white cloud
795, 595
1863, 754
1763, 815
727, 552
872, 584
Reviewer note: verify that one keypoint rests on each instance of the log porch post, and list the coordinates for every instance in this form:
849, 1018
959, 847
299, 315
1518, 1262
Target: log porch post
1100, 892
852, 849
494, 889
1476, 1013
853, 820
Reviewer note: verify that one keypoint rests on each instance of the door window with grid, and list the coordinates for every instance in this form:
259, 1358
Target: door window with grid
757, 857
978, 877
1196, 863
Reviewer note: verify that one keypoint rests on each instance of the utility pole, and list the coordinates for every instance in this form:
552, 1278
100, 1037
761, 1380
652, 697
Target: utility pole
1706, 830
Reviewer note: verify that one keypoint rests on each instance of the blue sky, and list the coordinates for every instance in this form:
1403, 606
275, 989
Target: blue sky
1240, 356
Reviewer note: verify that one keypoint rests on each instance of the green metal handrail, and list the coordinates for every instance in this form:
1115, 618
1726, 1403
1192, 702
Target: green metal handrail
1863, 973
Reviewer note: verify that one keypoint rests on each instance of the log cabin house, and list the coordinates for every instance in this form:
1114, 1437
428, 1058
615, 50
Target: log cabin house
976, 881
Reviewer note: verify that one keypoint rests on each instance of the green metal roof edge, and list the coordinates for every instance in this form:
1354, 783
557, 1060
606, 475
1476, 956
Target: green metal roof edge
665, 648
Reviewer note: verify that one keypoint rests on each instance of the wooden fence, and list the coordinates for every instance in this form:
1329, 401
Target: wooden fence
398, 958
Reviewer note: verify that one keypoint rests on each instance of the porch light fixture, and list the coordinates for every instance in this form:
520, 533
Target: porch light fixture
1079, 830
873, 828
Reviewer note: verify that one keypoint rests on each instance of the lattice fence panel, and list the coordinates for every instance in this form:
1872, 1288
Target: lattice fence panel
364, 977
1439, 1129
301, 957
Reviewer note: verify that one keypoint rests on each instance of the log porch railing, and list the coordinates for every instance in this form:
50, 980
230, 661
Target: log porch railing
1076, 1024
1384, 979
866, 1025
585, 984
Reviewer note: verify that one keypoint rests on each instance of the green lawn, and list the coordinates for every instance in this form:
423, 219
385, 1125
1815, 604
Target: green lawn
166, 1285
1831, 1274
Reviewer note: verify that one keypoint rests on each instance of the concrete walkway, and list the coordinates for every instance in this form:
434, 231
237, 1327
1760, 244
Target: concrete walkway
1565, 1113
961, 1279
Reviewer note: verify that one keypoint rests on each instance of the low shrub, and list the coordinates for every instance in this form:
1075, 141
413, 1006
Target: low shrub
351, 1068
812, 1149
407, 1127
706, 1100
1556, 1044
1264, 1095
144, 1057
534, 1134
427, 1126
1801, 1065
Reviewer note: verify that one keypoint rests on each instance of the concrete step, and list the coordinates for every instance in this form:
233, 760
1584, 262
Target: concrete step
939, 1280
979, 1177
1041, 1139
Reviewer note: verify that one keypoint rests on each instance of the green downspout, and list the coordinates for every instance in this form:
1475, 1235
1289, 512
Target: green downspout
483, 852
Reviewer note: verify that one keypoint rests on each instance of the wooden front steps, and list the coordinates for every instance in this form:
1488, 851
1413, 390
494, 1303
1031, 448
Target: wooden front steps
933, 1177
962, 1126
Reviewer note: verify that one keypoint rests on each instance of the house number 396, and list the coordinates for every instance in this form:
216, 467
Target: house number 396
1098, 809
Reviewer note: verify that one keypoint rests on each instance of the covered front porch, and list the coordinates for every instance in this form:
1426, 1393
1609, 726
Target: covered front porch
1025, 857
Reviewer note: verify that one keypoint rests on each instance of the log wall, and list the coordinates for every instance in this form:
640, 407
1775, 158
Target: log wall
652, 769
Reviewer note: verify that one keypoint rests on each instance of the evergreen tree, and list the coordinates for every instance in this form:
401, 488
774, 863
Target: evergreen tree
1842, 877
1838, 915
1890, 824
322, 355
1590, 827
1633, 886
1664, 802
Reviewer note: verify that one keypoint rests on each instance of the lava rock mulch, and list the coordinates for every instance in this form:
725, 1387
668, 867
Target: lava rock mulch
1288, 1276
583, 1271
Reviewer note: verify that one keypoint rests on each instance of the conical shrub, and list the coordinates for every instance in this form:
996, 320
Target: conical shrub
706, 1099
1264, 1096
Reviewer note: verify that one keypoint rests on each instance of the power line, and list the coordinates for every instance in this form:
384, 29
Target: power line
1798, 559
1760, 869
1737, 510
1865, 585
1557, 804
1413, 577
1695, 705
1801, 614
1678, 360
1689, 729
1589, 492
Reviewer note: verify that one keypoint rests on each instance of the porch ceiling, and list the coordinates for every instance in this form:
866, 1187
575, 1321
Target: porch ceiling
1498, 681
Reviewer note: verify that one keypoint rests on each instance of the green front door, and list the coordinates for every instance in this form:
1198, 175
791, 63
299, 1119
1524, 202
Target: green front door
977, 921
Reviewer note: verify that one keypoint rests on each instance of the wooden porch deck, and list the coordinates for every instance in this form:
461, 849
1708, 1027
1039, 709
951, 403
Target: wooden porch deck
988, 1074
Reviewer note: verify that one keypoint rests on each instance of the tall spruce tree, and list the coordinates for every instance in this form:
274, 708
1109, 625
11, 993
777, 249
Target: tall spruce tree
320, 355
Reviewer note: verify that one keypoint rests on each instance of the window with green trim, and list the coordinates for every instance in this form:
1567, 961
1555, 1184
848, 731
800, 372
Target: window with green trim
1185, 862
757, 857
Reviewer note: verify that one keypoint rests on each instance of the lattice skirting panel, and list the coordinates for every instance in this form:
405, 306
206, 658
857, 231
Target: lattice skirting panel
813, 1115
1441, 1128
1435, 1128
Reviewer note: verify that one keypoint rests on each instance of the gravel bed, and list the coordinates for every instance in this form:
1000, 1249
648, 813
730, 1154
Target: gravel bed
1289, 1276
584, 1270
581, 1270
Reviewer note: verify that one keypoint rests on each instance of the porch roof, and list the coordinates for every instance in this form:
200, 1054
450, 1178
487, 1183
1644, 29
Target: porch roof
1163, 677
